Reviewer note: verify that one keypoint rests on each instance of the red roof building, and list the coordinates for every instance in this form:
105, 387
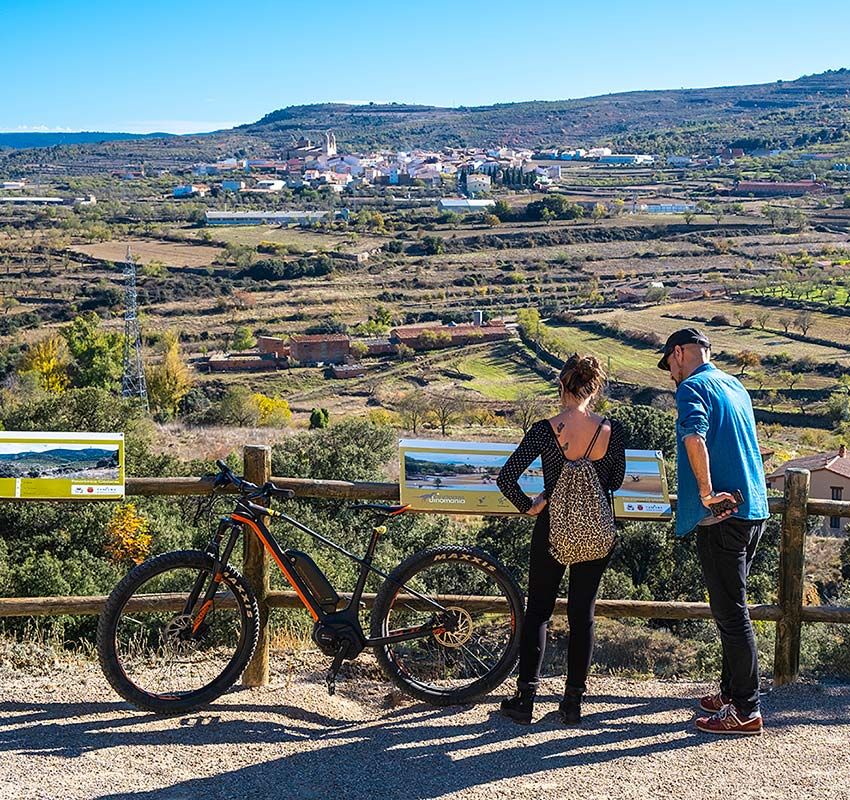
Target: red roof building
428, 337
830, 480
327, 348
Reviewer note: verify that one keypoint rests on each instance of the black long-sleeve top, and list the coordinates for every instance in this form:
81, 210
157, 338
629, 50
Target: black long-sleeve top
542, 441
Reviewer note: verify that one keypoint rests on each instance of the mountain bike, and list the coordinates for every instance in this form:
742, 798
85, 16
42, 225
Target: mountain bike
180, 628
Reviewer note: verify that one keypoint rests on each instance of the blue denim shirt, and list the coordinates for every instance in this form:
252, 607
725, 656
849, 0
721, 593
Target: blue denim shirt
716, 406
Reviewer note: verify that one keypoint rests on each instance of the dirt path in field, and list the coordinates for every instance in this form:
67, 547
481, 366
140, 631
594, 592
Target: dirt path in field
65, 735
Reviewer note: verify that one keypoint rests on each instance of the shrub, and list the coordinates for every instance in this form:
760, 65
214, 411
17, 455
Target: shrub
319, 418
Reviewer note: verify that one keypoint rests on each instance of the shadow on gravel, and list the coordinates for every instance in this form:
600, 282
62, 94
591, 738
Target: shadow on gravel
415, 751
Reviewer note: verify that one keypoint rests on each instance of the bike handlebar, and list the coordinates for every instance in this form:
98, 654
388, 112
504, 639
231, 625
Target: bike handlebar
227, 476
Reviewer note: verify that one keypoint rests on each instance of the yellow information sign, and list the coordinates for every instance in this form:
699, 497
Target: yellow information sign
460, 478
61, 466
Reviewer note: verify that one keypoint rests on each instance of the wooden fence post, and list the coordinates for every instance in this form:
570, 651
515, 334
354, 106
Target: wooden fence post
792, 557
255, 566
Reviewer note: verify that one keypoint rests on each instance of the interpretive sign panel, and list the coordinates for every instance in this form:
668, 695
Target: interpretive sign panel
460, 477
61, 466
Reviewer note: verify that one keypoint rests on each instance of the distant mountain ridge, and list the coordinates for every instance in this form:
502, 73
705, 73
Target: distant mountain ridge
811, 109
59, 454
19, 140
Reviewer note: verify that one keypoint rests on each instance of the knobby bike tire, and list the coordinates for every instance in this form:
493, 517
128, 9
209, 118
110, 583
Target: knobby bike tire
383, 605
107, 627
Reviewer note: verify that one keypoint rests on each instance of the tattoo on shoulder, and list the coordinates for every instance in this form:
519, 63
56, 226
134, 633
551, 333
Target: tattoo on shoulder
560, 426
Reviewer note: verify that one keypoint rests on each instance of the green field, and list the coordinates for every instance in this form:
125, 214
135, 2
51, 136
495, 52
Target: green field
623, 362
500, 375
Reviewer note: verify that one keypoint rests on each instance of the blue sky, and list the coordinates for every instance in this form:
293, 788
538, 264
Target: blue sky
184, 65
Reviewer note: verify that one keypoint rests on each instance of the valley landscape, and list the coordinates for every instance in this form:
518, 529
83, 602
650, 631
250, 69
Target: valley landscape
335, 277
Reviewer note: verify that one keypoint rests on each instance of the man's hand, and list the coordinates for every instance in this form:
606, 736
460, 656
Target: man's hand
538, 505
708, 502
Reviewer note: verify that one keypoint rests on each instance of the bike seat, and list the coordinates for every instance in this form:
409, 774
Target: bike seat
382, 509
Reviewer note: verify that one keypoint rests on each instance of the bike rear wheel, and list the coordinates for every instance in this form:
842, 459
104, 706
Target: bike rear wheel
163, 657
474, 654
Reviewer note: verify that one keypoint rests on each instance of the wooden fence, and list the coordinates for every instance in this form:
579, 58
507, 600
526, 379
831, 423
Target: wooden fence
788, 613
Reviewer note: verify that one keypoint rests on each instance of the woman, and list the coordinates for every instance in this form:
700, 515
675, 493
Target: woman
574, 434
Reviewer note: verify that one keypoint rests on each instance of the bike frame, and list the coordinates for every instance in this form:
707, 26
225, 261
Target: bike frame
251, 516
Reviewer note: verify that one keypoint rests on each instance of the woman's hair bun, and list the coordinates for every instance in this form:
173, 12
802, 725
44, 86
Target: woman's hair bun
582, 376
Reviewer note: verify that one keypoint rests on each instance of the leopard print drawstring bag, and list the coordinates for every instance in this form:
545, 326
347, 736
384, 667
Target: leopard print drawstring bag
581, 520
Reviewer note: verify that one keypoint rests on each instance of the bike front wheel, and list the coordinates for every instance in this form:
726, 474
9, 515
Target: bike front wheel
162, 648
471, 655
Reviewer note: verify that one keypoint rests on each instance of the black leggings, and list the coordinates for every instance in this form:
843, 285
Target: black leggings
544, 579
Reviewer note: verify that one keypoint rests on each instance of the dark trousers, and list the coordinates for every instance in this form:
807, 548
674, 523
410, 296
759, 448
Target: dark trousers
544, 579
726, 552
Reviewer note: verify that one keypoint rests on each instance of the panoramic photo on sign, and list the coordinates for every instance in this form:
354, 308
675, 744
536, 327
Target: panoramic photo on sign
644, 493
460, 477
51, 465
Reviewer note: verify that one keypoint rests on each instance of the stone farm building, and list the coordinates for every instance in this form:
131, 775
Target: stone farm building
332, 348
426, 337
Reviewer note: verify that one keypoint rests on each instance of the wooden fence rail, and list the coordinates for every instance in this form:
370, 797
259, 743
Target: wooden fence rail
789, 613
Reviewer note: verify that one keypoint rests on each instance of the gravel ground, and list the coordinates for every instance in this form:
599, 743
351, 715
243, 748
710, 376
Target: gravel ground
66, 735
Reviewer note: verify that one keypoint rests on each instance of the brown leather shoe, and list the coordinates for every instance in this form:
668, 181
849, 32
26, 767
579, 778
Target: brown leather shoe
712, 703
730, 720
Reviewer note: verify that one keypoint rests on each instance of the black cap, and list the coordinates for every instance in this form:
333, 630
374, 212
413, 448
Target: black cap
679, 339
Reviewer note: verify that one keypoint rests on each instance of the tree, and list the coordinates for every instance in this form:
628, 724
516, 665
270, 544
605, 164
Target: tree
98, 355
238, 407
405, 352
445, 408
9, 303
745, 359
804, 321
762, 317
786, 322
557, 206
359, 349
647, 428
273, 412
760, 377
49, 360
529, 407
243, 339
788, 378
491, 220
434, 245
688, 216
413, 407
599, 211
170, 380
772, 398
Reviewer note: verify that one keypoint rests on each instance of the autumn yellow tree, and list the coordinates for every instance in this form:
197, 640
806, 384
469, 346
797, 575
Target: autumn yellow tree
274, 412
128, 535
170, 380
49, 360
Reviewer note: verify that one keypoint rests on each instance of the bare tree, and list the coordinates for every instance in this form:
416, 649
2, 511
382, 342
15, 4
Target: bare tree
413, 407
446, 408
528, 408
804, 321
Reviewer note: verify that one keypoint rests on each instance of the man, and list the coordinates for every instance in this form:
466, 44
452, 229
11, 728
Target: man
718, 453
